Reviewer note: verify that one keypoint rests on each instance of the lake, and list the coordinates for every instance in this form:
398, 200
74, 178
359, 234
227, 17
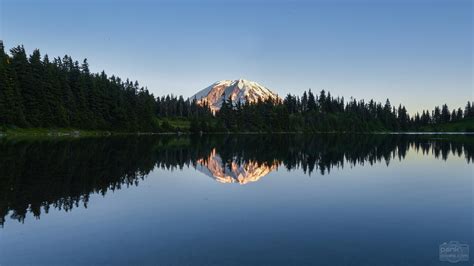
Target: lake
359, 199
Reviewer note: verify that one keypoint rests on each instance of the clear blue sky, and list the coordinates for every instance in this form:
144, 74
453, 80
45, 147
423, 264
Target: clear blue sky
418, 52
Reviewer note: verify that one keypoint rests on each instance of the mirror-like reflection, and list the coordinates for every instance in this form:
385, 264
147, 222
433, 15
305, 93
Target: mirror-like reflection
38, 175
234, 171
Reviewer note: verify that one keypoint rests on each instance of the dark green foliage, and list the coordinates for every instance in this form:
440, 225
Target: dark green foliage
328, 114
11, 107
469, 110
172, 106
194, 126
36, 92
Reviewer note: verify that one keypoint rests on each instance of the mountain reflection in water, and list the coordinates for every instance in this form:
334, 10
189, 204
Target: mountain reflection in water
38, 175
234, 172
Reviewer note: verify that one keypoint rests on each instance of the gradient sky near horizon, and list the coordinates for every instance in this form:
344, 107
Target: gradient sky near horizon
419, 53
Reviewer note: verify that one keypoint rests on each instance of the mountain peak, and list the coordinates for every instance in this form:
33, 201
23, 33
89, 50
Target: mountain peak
239, 90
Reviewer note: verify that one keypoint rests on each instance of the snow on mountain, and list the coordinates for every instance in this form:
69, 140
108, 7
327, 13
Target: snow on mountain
238, 90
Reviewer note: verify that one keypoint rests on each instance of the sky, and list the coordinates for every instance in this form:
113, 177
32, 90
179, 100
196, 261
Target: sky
418, 53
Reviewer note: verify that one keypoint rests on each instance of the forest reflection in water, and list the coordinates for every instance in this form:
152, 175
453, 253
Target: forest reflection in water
38, 175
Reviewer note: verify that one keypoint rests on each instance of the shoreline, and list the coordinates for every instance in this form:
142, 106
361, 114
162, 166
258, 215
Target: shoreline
74, 133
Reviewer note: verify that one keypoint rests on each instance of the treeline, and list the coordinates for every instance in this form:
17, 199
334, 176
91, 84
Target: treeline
173, 106
39, 92
36, 91
324, 113
313, 113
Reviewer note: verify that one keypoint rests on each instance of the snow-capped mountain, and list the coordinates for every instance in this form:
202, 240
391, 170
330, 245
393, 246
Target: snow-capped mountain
238, 90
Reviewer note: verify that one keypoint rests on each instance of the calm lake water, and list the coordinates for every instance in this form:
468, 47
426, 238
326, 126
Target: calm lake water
236, 200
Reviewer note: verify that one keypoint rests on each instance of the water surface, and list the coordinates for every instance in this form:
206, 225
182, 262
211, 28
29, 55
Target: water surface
235, 200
